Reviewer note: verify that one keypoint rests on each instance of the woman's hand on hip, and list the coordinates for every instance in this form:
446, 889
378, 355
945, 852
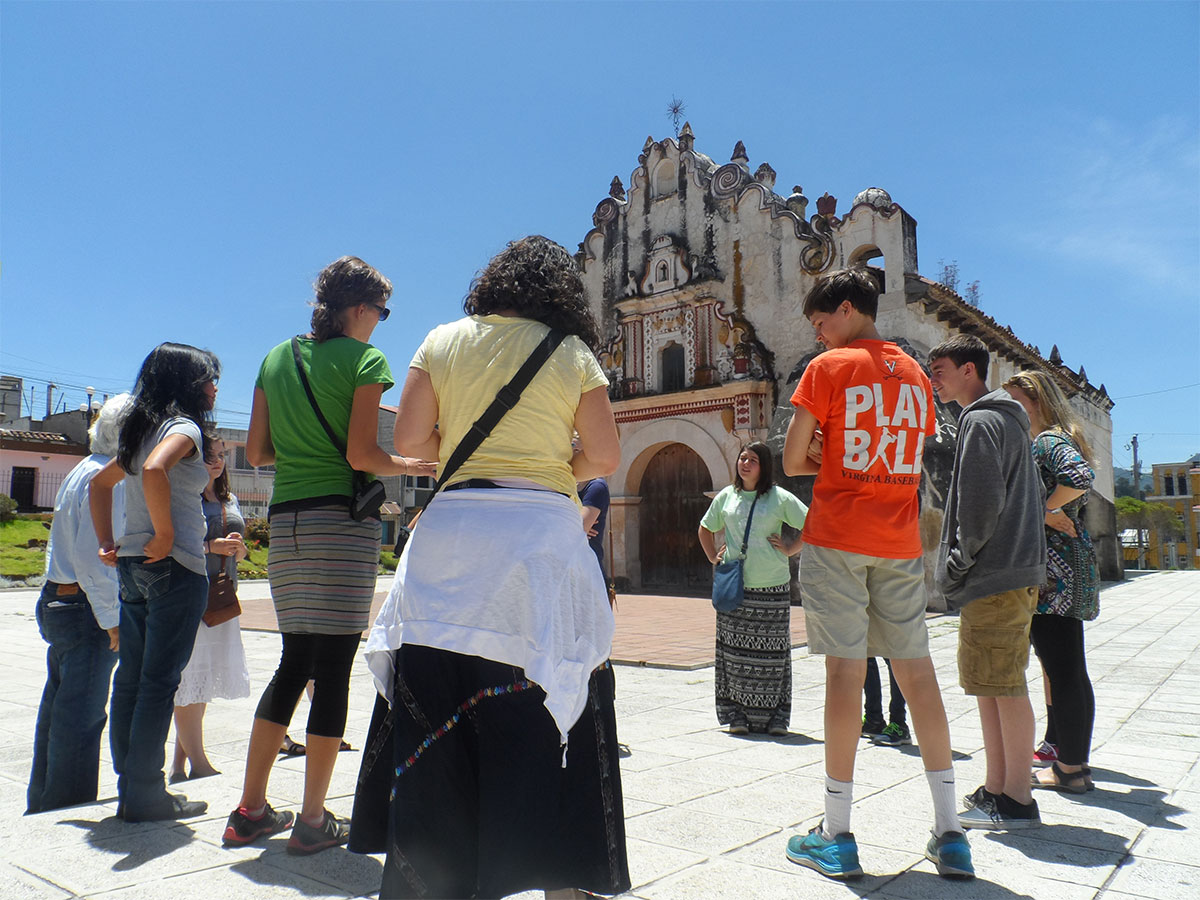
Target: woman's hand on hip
158, 546
1060, 521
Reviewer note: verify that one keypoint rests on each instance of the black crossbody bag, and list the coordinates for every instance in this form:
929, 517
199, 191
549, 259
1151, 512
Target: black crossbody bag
369, 493
506, 399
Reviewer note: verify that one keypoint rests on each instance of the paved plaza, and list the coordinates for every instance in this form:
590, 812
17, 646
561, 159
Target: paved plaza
707, 814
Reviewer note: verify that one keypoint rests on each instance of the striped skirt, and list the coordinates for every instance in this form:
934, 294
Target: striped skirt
754, 660
322, 566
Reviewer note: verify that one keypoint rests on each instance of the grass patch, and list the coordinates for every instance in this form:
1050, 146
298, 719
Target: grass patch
254, 565
16, 559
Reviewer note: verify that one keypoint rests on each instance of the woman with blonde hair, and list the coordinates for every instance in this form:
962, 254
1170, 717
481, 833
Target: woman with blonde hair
1070, 595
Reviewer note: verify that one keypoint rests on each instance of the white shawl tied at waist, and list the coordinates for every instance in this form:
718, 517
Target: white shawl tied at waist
506, 575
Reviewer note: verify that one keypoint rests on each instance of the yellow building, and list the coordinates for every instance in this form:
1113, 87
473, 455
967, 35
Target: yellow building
1176, 485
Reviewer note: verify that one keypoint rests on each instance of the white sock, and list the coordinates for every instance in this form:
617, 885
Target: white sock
945, 801
838, 797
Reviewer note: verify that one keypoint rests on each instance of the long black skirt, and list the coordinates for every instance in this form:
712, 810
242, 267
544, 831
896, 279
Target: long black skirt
481, 805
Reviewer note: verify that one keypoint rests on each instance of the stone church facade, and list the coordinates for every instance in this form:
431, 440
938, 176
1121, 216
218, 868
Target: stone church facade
697, 273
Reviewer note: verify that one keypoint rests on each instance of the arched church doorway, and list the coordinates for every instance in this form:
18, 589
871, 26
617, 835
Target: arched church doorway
673, 502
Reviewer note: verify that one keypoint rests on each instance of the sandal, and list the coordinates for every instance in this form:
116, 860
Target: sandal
344, 746
290, 747
1067, 782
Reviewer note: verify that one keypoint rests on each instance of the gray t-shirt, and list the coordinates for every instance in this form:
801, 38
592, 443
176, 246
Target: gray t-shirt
188, 479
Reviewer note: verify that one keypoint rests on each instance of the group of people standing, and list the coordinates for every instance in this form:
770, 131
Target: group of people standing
492, 649
496, 731
863, 410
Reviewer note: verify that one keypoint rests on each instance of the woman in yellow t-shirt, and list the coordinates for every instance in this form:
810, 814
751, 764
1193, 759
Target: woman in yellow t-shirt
497, 631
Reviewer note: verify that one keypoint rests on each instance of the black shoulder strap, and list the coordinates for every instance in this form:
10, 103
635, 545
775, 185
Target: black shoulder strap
506, 399
749, 519
337, 442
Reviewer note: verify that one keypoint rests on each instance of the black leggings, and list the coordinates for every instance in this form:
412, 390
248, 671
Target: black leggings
1058, 641
326, 659
873, 695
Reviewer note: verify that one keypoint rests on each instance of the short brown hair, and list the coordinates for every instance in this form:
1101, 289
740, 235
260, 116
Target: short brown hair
856, 284
962, 349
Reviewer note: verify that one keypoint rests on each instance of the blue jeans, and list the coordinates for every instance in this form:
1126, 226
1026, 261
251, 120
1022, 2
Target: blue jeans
66, 743
161, 606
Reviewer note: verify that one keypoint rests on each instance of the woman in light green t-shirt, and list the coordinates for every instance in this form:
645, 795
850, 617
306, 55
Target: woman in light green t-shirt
754, 641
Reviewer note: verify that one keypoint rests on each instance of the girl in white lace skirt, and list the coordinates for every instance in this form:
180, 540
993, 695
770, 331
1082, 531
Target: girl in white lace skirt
217, 668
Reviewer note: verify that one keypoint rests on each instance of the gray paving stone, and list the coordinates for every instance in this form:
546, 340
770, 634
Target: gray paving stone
707, 814
1155, 879
17, 884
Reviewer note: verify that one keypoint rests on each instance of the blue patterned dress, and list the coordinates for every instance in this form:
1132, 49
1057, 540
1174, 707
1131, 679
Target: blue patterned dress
1072, 585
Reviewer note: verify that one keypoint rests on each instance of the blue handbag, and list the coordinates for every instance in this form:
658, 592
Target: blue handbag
728, 576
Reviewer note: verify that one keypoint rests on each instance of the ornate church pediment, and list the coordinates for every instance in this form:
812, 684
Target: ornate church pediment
666, 267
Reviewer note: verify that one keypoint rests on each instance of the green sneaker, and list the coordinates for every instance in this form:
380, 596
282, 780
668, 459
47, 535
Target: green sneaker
835, 857
894, 735
872, 728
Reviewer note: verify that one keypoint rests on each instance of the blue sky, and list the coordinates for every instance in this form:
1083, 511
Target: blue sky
181, 171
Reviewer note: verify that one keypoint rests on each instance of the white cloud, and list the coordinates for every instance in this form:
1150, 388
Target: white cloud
1126, 201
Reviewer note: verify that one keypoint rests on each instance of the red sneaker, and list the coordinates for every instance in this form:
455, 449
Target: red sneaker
1045, 755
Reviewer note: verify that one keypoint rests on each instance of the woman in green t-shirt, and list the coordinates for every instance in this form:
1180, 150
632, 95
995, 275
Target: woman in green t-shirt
754, 641
322, 563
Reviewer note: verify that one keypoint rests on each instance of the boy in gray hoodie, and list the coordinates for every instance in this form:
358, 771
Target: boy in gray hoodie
991, 559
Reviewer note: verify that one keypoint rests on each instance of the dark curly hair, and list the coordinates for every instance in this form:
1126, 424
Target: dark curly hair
171, 383
344, 283
537, 279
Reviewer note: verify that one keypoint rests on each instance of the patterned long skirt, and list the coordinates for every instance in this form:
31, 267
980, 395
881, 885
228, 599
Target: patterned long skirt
754, 660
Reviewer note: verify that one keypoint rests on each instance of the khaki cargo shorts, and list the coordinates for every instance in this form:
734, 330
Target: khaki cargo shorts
857, 606
993, 643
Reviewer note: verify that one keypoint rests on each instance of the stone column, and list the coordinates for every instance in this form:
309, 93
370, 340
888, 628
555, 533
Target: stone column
626, 563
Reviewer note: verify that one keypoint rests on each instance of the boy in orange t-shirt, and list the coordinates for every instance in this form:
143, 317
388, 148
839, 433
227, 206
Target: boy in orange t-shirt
861, 572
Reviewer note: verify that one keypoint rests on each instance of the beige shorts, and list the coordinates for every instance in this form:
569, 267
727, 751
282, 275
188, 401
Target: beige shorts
857, 606
993, 643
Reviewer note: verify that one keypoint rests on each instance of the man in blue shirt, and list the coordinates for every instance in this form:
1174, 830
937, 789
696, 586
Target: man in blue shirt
77, 614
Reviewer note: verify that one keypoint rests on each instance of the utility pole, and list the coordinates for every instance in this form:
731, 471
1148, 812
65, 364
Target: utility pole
1137, 493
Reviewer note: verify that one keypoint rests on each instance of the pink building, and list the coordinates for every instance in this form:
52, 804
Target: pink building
33, 465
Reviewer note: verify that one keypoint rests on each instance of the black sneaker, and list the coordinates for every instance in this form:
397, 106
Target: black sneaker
308, 839
872, 728
172, 806
1001, 814
978, 797
241, 829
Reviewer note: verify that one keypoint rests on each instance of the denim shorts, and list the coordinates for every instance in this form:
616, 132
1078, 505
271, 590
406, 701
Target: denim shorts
993, 643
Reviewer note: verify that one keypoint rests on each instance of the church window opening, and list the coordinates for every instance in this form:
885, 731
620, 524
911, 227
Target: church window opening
664, 179
664, 273
672, 368
1169, 486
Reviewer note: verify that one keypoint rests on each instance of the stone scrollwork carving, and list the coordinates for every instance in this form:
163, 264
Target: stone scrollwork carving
727, 181
817, 255
607, 210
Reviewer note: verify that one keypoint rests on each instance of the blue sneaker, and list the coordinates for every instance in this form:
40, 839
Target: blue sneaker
833, 858
951, 854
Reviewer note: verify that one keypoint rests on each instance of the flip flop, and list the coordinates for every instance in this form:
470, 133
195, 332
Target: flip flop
290, 747
344, 746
